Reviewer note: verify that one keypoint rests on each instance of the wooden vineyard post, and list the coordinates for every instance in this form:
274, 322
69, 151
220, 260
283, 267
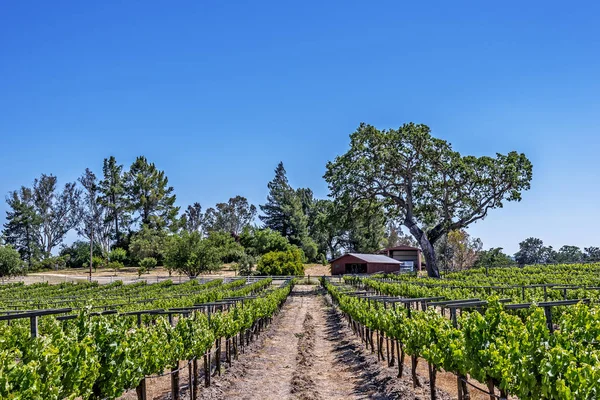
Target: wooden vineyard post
175, 382
432, 376
196, 383
207, 368
218, 357
400, 352
414, 361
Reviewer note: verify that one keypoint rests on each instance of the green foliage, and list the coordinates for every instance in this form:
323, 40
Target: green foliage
289, 262
148, 242
117, 265
533, 251
192, 255
113, 197
10, 262
231, 217
22, 225
149, 195
229, 250
324, 259
420, 180
118, 254
283, 211
245, 265
493, 258
310, 250
258, 241
148, 263
79, 253
58, 262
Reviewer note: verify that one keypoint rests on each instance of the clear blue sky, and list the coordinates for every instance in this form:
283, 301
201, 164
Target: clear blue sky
217, 92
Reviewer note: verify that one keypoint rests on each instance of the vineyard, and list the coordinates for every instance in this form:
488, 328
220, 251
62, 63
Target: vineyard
528, 333
105, 340
532, 333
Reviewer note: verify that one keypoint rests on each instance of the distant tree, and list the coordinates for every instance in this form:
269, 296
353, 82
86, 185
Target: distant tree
246, 264
533, 251
192, 255
592, 253
58, 211
78, 253
10, 262
364, 224
22, 226
229, 249
257, 241
113, 197
395, 237
232, 216
95, 222
283, 211
287, 262
569, 254
149, 195
423, 182
465, 249
193, 218
146, 243
328, 228
493, 258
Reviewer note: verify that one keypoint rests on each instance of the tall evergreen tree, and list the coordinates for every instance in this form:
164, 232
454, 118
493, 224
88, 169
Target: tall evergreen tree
22, 225
150, 197
113, 197
58, 211
283, 211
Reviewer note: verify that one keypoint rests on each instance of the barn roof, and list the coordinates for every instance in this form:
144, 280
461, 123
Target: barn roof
402, 247
371, 258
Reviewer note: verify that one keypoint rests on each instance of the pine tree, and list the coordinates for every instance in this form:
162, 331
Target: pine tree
283, 211
22, 225
112, 196
150, 197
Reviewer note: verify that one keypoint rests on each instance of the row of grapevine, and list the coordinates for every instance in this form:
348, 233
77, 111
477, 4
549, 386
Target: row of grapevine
517, 354
101, 357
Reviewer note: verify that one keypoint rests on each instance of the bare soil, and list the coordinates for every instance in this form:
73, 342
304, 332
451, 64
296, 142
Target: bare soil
309, 353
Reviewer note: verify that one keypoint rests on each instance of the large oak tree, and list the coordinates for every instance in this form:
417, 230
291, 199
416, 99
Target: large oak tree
431, 188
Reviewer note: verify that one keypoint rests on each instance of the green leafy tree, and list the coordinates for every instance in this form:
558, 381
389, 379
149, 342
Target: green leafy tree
229, 249
149, 195
148, 243
193, 220
10, 262
22, 225
533, 251
192, 255
58, 212
592, 253
569, 254
364, 225
78, 253
328, 228
289, 262
257, 241
493, 258
245, 265
231, 217
113, 197
423, 182
283, 211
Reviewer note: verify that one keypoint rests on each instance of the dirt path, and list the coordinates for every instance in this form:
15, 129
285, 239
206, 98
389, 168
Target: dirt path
309, 353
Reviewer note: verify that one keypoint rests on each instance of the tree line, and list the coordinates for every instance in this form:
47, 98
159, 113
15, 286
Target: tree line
387, 180
130, 217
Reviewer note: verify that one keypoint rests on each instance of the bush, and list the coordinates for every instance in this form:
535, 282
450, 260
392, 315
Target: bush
245, 265
96, 262
119, 255
310, 249
116, 265
79, 253
324, 259
148, 263
288, 262
10, 262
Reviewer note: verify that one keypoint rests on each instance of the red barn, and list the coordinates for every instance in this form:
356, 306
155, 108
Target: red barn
354, 263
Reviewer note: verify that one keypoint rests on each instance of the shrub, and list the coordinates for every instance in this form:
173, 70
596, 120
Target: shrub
245, 265
324, 259
282, 262
148, 263
119, 255
116, 265
10, 262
